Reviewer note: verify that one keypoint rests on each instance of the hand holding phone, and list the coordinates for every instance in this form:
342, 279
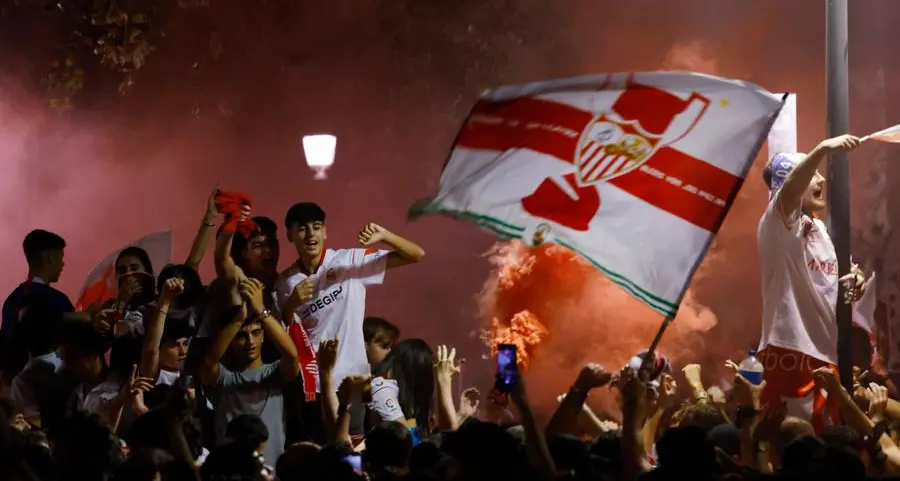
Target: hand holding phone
507, 368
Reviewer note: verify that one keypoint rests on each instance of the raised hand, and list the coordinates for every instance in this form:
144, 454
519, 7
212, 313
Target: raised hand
667, 392
252, 292
468, 403
135, 388
842, 142
592, 376
211, 211
692, 375
855, 283
355, 388
129, 288
302, 292
172, 288
326, 356
371, 233
445, 365
877, 396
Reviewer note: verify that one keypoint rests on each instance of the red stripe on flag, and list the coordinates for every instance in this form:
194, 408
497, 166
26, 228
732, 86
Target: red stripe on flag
99, 291
544, 126
697, 207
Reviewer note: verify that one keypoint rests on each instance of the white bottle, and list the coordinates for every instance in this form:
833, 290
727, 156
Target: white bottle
751, 368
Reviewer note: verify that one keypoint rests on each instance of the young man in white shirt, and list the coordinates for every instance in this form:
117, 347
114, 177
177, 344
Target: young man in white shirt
323, 294
799, 280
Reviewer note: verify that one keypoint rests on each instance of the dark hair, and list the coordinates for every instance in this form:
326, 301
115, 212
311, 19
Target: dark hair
380, 331
239, 243
388, 445
247, 429
266, 225
303, 213
411, 364
82, 340
38, 242
141, 254
175, 328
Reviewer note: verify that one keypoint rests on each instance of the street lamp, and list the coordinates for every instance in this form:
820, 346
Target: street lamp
319, 152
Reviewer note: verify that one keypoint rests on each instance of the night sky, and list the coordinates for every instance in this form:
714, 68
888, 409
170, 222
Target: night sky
232, 87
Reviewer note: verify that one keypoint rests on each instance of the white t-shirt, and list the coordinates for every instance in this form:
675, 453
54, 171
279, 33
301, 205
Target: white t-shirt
799, 284
386, 400
338, 304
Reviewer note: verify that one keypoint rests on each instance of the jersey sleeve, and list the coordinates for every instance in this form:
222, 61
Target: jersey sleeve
370, 265
385, 403
776, 226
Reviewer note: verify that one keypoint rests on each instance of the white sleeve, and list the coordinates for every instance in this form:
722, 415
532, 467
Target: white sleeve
370, 265
776, 227
385, 399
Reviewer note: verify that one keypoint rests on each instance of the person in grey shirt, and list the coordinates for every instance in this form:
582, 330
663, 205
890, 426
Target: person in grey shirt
251, 386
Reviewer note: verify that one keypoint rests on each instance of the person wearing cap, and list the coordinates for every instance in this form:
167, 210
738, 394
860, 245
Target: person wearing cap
799, 279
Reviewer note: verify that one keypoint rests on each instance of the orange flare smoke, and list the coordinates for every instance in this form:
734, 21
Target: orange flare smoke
524, 331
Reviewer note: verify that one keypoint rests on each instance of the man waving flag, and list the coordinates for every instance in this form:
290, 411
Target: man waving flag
634, 172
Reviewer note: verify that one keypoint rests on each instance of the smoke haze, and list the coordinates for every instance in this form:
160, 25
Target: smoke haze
231, 89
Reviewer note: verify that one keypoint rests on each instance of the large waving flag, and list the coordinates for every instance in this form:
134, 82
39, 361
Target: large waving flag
100, 284
634, 172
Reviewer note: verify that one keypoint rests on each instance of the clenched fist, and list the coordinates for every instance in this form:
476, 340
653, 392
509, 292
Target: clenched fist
302, 293
372, 233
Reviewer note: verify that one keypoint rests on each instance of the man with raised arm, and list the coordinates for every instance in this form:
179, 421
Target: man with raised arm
323, 294
799, 279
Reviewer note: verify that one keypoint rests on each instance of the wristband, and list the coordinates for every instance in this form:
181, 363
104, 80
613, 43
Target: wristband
263, 315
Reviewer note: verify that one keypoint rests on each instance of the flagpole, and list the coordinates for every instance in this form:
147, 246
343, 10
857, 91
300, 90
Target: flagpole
838, 123
645, 364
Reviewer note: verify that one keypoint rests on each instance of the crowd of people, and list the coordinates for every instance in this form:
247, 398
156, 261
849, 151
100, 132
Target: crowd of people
260, 374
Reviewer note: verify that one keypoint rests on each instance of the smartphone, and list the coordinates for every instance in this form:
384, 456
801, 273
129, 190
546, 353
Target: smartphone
507, 369
355, 462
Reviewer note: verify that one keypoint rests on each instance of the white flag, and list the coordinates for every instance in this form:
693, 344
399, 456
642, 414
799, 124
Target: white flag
100, 285
864, 308
634, 172
890, 135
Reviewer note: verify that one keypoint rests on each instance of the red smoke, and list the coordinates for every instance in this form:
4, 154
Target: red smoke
587, 318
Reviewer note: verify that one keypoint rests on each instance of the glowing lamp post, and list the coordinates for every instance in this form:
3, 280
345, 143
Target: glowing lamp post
319, 152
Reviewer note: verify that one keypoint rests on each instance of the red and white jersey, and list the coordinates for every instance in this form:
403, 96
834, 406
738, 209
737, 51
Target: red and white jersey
338, 304
799, 284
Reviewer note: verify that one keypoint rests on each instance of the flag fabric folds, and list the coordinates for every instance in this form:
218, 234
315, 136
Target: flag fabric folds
101, 282
890, 134
634, 172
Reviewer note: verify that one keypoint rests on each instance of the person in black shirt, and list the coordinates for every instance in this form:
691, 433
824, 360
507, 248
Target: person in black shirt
44, 253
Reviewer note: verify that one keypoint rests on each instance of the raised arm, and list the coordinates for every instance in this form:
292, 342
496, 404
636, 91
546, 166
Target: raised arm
404, 251
209, 369
795, 185
565, 418
201, 240
225, 267
252, 293
149, 366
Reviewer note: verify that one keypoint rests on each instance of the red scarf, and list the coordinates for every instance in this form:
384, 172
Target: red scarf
230, 204
306, 353
309, 370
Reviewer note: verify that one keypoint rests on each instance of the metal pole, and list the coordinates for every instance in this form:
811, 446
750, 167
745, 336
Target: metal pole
838, 119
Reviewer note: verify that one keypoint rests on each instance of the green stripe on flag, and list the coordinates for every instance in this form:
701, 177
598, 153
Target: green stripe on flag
511, 231
655, 302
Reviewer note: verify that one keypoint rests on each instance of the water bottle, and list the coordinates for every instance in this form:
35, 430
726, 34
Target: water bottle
751, 368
